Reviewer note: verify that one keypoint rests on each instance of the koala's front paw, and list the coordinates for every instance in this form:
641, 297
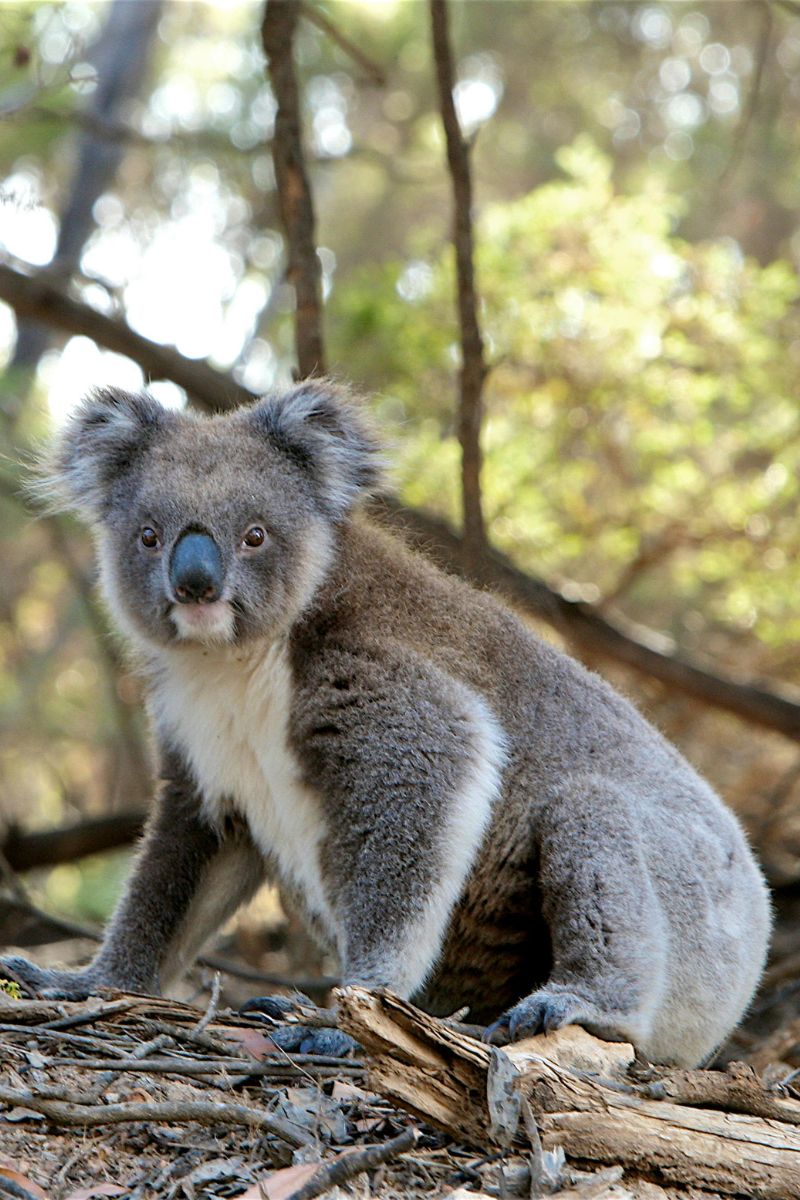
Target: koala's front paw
541, 1012
48, 984
298, 1039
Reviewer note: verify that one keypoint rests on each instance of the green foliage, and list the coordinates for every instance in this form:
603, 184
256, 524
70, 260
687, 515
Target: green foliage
642, 429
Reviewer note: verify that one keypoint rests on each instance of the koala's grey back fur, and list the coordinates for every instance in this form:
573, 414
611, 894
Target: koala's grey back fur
464, 812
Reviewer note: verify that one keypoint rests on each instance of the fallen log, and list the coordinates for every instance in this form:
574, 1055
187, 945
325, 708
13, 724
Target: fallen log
584, 1099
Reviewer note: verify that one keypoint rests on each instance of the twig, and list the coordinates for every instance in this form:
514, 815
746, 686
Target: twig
743, 128
207, 1066
473, 366
89, 1016
204, 1112
312, 987
213, 1002
141, 1052
219, 1046
375, 73
294, 193
350, 1165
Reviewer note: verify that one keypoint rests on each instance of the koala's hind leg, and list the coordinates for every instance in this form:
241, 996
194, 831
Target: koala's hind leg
607, 929
186, 880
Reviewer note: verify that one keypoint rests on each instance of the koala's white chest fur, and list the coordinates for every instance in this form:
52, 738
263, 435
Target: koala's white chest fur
227, 710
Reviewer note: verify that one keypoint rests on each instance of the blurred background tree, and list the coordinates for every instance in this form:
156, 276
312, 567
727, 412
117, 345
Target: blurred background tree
637, 180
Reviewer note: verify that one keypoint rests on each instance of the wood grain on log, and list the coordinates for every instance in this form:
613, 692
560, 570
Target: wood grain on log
440, 1075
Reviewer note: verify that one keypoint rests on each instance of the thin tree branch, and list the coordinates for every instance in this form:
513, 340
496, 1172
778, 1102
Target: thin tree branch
473, 366
22, 923
374, 73
49, 847
73, 1111
586, 628
579, 622
294, 192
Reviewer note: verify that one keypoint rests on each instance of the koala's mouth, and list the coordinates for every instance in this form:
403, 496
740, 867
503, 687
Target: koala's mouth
213, 622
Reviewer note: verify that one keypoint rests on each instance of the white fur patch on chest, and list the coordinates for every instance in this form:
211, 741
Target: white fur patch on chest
227, 710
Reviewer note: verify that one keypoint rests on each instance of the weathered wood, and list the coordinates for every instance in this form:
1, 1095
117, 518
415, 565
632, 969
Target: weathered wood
440, 1075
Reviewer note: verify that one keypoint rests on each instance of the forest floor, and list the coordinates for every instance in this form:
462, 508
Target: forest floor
147, 1098
154, 1099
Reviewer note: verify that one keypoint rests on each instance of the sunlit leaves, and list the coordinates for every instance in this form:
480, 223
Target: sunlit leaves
642, 430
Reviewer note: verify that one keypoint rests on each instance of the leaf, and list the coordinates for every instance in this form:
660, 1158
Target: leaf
9, 1172
257, 1045
280, 1184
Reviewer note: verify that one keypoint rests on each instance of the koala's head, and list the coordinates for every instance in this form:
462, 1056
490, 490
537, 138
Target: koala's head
213, 529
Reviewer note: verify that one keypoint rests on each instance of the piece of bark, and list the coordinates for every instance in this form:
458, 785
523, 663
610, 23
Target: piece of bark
440, 1076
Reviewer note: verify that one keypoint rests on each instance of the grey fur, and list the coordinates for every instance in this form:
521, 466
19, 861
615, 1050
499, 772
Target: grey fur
468, 815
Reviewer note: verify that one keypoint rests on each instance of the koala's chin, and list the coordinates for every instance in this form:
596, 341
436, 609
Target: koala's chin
211, 624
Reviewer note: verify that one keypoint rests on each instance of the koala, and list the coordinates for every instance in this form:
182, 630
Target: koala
461, 811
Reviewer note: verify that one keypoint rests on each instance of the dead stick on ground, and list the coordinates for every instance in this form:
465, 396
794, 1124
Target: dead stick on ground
204, 1112
213, 1004
350, 1165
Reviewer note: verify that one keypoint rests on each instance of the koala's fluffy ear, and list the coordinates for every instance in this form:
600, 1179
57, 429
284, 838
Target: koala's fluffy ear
102, 438
319, 426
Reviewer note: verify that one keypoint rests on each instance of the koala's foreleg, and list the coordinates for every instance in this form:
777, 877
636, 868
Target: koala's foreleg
409, 762
186, 880
608, 934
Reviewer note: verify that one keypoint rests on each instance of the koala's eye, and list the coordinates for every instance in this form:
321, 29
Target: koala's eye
255, 536
150, 538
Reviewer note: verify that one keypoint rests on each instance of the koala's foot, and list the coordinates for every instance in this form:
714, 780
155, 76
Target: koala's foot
550, 1007
49, 984
298, 1039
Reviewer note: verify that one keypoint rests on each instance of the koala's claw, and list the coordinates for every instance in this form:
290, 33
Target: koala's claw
298, 1039
497, 1033
274, 1007
541, 1012
302, 1039
48, 984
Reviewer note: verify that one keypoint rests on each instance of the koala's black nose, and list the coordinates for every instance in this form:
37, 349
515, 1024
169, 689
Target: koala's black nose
195, 570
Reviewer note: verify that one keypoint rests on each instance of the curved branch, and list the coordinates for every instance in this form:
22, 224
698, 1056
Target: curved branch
38, 296
585, 627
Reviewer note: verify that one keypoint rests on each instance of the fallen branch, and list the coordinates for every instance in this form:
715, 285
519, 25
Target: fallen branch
204, 1112
354, 1163
441, 1076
